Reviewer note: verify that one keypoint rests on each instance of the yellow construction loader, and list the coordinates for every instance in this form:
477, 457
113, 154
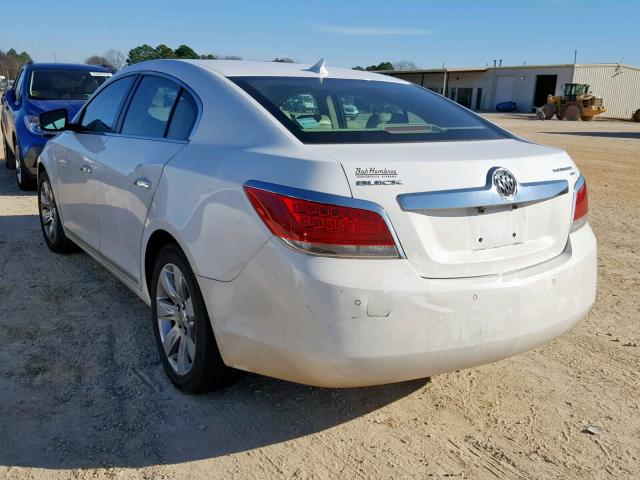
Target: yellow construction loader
577, 103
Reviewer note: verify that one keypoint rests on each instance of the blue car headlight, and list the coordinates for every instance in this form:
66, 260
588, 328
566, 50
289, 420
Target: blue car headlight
32, 123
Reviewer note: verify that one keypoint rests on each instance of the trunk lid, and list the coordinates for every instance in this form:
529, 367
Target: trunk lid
445, 208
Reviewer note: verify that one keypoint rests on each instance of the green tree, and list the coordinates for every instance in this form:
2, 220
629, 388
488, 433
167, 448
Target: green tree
375, 68
283, 60
381, 66
184, 51
209, 56
141, 53
162, 51
11, 62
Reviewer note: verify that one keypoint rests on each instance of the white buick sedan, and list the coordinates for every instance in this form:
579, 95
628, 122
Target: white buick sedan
316, 224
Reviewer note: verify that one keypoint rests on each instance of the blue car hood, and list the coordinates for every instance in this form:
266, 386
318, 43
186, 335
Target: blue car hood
38, 106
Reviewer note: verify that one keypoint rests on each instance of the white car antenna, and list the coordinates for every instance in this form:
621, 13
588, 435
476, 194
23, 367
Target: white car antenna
319, 68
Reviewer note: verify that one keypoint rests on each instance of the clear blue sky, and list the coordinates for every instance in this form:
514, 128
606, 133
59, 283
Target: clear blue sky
346, 33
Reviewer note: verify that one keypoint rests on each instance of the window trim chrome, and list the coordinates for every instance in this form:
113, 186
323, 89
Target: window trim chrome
339, 200
486, 196
139, 74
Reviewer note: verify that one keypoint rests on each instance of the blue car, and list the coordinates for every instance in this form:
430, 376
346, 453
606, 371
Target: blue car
39, 88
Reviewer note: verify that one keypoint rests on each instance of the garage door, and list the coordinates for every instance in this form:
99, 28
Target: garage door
504, 88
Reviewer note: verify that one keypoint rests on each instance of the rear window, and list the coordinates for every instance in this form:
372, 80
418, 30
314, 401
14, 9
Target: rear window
326, 110
65, 84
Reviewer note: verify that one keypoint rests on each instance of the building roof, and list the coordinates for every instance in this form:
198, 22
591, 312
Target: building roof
506, 67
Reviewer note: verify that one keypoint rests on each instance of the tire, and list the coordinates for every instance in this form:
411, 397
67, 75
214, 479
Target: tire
549, 110
50, 221
559, 116
636, 116
573, 113
9, 157
23, 176
183, 333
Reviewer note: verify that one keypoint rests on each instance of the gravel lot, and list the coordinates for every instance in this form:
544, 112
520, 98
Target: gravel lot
83, 395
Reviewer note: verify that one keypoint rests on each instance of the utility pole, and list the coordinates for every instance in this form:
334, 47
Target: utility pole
55, 60
575, 57
444, 82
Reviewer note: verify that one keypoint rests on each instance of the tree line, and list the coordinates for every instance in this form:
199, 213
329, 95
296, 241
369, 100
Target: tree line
398, 65
11, 61
117, 60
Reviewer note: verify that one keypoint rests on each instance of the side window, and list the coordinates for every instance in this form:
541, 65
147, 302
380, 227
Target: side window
18, 85
184, 117
151, 106
102, 112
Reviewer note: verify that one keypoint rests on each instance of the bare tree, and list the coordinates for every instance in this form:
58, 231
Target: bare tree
96, 60
404, 65
115, 58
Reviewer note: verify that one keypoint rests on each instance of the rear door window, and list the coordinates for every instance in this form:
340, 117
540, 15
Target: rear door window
102, 112
151, 107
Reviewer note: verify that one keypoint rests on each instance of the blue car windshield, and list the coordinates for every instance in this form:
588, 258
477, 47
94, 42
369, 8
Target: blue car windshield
330, 110
65, 84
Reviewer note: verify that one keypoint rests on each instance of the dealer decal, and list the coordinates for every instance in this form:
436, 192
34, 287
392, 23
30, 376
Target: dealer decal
372, 176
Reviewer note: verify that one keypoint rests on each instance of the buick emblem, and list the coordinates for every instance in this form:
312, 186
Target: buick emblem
505, 183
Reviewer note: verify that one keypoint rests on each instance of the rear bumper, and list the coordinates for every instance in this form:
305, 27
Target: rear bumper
343, 323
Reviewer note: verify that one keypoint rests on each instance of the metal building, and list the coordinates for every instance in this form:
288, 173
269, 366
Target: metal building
528, 85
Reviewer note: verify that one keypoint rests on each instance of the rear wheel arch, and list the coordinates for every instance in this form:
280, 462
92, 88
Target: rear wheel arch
156, 242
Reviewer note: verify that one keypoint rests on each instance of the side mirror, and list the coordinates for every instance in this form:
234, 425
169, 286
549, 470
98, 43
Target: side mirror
10, 96
54, 120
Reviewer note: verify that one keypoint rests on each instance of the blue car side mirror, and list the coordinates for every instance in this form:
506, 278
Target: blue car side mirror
10, 96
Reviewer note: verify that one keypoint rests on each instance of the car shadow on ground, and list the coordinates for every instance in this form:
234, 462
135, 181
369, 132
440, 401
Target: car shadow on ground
8, 183
81, 384
631, 135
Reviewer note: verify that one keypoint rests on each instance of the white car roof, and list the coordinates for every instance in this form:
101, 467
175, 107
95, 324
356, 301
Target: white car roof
242, 68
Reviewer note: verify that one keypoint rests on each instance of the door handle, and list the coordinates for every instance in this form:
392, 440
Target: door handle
143, 183
86, 169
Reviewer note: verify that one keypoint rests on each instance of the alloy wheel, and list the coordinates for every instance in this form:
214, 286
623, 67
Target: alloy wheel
18, 168
176, 319
48, 211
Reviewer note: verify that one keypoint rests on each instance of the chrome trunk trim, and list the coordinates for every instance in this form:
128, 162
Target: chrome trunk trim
486, 196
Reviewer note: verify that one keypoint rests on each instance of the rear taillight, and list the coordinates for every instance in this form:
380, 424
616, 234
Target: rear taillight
323, 228
581, 203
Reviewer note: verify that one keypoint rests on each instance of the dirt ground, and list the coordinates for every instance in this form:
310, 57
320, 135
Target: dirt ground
83, 395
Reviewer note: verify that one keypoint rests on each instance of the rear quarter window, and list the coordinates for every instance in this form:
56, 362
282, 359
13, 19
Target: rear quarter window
184, 117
